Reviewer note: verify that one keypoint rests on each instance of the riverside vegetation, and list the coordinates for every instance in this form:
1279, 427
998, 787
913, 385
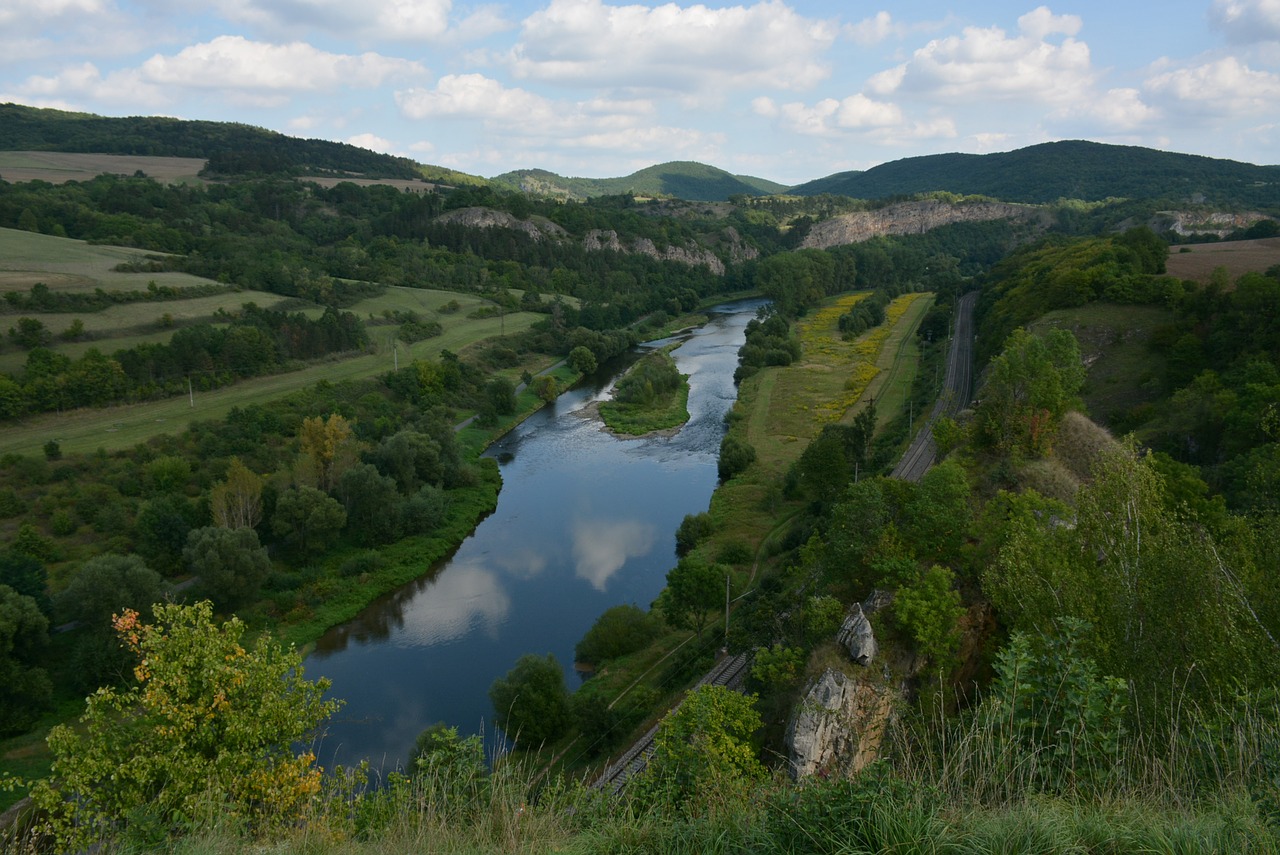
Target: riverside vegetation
1083, 629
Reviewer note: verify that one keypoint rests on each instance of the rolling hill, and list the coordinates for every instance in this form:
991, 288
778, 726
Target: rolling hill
682, 179
229, 147
1073, 169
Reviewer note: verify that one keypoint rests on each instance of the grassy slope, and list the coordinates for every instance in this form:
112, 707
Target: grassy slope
69, 265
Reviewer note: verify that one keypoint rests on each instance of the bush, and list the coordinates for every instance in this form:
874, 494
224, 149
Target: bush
619, 631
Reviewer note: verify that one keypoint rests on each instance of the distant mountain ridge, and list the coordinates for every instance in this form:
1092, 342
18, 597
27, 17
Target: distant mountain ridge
1072, 169
229, 147
684, 179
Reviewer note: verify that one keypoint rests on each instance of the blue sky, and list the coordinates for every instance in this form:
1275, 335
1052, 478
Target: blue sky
788, 91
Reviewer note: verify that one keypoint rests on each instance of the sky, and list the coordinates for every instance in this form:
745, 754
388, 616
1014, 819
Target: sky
788, 91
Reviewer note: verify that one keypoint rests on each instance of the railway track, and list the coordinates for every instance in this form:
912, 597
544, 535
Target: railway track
957, 389
729, 672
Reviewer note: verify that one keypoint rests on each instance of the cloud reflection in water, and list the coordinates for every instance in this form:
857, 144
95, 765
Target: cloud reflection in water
601, 548
467, 596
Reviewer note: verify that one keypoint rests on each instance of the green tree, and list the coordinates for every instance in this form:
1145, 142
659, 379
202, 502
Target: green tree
620, 630
27, 576
928, 610
25, 690
161, 530
703, 749
582, 360
693, 589
736, 456
693, 529
370, 499
237, 501
1030, 385
451, 769
546, 387
530, 703
207, 729
230, 564
104, 586
308, 518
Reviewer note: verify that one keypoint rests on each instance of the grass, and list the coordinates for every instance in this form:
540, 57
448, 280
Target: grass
1124, 374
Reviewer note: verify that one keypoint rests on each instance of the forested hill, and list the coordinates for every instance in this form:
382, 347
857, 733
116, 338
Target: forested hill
682, 179
229, 147
1072, 169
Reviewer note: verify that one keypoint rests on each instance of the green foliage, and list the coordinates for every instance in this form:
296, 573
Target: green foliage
693, 589
308, 518
1057, 711
778, 668
1030, 386
620, 630
736, 456
927, 610
582, 360
229, 563
530, 703
693, 529
451, 769
823, 616
703, 750
207, 730
25, 690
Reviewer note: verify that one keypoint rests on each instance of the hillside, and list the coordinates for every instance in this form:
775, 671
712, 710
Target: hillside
229, 147
1072, 169
683, 179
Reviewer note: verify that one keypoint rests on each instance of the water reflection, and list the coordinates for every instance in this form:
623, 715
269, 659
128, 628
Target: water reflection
585, 521
468, 597
600, 547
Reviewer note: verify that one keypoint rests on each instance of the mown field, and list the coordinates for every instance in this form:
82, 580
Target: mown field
1197, 261
74, 266
58, 167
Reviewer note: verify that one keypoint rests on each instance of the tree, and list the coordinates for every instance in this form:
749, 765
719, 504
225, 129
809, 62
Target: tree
230, 564
450, 768
693, 589
928, 610
582, 360
530, 703
330, 447
620, 630
308, 518
27, 576
545, 387
104, 586
500, 396
1031, 384
370, 499
702, 748
161, 530
736, 456
237, 501
25, 690
694, 529
207, 729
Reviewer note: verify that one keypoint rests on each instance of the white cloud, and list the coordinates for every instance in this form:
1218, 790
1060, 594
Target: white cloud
584, 42
396, 20
1247, 21
233, 62
85, 82
1223, 87
983, 64
373, 142
600, 548
474, 96
15, 12
873, 30
1116, 110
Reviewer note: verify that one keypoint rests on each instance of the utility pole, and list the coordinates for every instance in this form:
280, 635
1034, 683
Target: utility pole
191, 395
726, 611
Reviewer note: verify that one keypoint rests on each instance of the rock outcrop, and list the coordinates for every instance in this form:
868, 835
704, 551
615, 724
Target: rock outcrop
857, 637
839, 726
538, 228
1217, 223
607, 239
912, 218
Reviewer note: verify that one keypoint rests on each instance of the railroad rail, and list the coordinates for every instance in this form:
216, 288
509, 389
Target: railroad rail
957, 390
729, 672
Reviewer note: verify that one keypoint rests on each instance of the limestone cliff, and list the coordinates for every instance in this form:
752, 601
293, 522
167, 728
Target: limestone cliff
839, 726
1217, 223
538, 228
913, 218
731, 243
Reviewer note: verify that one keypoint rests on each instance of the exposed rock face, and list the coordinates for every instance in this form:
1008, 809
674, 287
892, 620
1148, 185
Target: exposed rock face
598, 239
912, 218
838, 727
1217, 223
537, 228
856, 636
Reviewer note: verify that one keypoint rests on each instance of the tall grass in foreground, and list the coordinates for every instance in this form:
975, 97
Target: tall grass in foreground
952, 784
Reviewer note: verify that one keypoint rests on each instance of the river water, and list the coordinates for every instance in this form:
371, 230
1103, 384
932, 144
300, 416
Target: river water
584, 521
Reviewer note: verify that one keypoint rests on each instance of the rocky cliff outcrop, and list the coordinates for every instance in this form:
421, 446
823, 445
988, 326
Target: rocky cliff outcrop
839, 726
856, 636
538, 228
1217, 223
912, 218
694, 255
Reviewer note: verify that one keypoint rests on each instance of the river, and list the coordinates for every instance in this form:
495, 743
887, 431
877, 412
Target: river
584, 521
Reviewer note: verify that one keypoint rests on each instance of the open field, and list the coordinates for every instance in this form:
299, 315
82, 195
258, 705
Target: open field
59, 167
27, 258
1238, 256
1123, 374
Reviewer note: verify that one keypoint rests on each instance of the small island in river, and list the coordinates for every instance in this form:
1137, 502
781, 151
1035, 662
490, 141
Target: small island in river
653, 397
